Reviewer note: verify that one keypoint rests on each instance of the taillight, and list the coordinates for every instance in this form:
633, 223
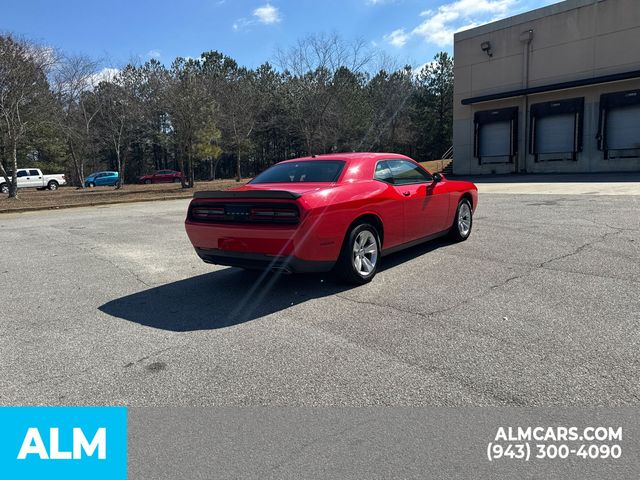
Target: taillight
244, 213
211, 213
273, 213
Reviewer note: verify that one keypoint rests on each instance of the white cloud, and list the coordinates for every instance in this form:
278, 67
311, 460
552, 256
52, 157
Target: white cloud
397, 38
379, 2
420, 68
153, 54
267, 14
107, 74
440, 25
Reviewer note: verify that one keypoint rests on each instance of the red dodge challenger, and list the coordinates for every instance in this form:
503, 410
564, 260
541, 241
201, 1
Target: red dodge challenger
342, 211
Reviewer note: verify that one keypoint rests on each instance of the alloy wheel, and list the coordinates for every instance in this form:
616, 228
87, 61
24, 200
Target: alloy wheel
464, 219
365, 253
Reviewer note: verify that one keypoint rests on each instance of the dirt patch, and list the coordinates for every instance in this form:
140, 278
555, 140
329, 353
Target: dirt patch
65, 197
434, 166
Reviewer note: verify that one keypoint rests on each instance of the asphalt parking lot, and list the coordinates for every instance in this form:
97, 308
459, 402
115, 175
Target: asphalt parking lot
110, 305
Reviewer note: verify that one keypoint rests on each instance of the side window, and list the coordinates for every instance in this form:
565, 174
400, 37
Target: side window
34, 173
383, 172
405, 172
22, 173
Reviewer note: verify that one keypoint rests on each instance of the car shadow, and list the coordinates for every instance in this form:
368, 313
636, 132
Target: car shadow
231, 296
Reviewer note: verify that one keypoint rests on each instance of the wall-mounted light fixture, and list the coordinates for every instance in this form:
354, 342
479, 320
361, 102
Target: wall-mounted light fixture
486, 47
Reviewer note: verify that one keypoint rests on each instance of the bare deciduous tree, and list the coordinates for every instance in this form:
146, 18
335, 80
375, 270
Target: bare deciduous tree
74, 80
310, 67
25, 96
191, 108
120, 112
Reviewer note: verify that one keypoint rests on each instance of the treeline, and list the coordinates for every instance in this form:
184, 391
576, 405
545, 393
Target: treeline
210, 117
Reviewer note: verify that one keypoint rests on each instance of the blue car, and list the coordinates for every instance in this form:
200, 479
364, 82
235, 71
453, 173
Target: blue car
100, 179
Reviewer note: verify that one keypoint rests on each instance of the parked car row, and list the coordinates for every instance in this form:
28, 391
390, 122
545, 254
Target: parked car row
34, 178
109, 178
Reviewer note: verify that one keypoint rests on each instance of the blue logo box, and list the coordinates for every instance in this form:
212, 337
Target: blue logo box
63, 442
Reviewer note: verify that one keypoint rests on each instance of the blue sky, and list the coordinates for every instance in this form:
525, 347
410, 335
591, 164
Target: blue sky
116, 31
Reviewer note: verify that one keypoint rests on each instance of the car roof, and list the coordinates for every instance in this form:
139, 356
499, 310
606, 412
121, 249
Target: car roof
349, 156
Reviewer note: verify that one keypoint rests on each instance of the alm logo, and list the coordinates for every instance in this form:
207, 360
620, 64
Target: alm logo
63, 442
33, 445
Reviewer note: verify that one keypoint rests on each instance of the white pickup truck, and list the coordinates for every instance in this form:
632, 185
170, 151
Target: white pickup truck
33, 178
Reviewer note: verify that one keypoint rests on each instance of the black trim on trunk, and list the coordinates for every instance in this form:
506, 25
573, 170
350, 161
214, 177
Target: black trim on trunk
280, 194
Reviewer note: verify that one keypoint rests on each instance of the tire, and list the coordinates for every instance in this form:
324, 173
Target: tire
359, 266
147, 182
176, 180
91, 184
52, 185
4, 188
462, 222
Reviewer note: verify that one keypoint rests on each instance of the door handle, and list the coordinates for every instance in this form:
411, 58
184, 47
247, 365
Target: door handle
406, 194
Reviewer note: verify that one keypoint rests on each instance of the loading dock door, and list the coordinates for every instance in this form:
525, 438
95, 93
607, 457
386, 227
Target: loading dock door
555, 134
495, 139
623, 128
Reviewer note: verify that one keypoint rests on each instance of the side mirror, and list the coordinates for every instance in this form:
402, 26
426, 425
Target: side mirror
437, 178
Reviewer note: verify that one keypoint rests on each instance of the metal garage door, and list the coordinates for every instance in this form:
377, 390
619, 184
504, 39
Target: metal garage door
555, 134
623, 128
495, 139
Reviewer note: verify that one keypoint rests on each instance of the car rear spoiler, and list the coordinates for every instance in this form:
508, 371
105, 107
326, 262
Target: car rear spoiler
277, 194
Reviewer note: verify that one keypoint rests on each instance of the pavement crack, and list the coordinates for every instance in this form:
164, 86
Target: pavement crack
120, 267
442, 310
580, 248
87, 247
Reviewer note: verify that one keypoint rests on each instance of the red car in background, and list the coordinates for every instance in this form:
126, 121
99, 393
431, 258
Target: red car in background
342, 211
162, 176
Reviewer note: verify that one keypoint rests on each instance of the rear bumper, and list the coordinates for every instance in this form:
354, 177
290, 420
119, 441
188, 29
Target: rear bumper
259, 261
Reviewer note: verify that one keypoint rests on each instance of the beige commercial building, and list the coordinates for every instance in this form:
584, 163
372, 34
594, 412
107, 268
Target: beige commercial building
556, 89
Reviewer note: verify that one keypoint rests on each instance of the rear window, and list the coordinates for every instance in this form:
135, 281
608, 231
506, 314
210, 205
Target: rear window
302, 172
